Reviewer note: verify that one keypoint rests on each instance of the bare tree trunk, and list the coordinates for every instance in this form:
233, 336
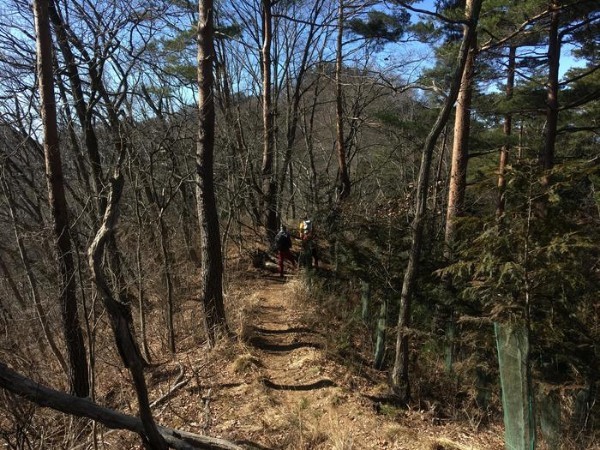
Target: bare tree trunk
164, 247
82, 172
458, 184
294, 107
380, 334
239, 177
400, 372
120, 319
313, 199
507, 128
344, 178
212, 262
460, 147
269, 183
66, 38
79, 379
84, 114
140, 278
547, 155
437, 182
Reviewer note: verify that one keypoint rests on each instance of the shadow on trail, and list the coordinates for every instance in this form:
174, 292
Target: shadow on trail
302, 387
201, 388
262, 344
285, 331
277, 278
271, 308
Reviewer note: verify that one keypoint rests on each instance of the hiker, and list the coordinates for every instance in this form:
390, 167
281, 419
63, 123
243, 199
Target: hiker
309, 244
283, 244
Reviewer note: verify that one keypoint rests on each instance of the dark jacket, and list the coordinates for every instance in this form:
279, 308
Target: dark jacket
283, 241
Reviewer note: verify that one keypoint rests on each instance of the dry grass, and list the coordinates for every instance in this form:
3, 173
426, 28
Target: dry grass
226, 395
246, 363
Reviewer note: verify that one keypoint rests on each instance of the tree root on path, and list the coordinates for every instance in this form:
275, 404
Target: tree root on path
179, 382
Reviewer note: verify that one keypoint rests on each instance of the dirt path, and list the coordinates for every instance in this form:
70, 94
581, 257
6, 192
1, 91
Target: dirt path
305, 404
290, 352
294, 396
281, 387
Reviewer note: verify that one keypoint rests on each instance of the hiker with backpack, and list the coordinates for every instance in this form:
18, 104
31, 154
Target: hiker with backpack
283, 245
309, 251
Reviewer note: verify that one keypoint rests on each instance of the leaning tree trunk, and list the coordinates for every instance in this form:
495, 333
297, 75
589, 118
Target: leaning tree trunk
84, 113
119, 314
79, 378
212, 263
293, 115
399, 377
82, 407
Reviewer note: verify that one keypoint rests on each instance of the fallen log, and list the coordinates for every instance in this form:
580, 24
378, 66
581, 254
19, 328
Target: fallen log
83, 407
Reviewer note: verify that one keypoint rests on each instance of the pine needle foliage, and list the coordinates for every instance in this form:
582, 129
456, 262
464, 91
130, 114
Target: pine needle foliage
540, 258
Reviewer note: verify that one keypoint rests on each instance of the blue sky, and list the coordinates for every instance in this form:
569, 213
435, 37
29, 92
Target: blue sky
413, 57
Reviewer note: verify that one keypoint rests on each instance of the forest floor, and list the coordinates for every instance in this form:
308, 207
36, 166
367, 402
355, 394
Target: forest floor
281, 387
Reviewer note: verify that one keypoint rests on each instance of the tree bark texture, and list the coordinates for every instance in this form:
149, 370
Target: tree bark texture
400, 371
212, 262
458, 181
460, 147
79, 378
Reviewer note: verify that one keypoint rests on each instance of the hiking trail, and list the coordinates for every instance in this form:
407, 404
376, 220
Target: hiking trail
285, 390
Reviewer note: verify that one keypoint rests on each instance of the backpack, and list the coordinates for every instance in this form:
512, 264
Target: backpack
306, 229
282, 241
